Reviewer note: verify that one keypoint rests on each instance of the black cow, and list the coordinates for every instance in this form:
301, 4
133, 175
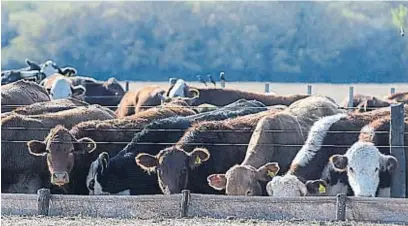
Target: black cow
121, 174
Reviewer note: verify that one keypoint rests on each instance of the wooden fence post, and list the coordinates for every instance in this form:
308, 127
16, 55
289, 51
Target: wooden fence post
341, 207
222, 84
127, 86
172, 81
309, 89
392, 91
397, 129
351, 94
184, 203
43, 201
266, 87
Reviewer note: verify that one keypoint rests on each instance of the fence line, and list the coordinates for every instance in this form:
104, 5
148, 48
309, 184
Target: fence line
186, 204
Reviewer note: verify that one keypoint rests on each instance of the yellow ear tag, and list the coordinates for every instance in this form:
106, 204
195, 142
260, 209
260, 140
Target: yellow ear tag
197, 160
322, 189
271, 173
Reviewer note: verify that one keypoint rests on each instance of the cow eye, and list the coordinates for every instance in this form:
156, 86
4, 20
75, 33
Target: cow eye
248, 193
91, 184
376, 169
351, 169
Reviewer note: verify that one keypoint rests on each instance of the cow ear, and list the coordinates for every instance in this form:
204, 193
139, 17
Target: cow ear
112, 80
78, 90
146, 162
103, 160
32, 65
339, 162
217, 181
37, 148
316, 187
85, 145
197, 156
388, 163
267, 171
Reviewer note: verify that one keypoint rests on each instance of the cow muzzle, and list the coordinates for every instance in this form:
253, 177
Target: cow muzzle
60, 178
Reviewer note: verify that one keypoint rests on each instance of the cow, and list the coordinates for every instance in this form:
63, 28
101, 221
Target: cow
18, 165
139, 100
107, 135
275, 140
328, 136
62, 88
223, 96
399, 97
108, 93
205, 148
47, 107
367, 164
363, 103
21, 93
120, 174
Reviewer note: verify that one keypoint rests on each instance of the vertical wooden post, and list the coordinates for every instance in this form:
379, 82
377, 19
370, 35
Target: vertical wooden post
341, 207
351, 94
309, 89
222, 84
392, 91
397, 129
43, 201
127, 86
172, 81
266, 87
184, 203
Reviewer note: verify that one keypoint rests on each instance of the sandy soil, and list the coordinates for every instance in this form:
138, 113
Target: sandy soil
60, 221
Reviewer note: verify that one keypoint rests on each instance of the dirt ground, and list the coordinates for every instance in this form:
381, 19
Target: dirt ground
336, 91
62, 221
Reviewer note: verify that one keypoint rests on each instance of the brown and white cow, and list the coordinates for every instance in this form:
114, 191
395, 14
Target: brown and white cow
275, 139
221, 97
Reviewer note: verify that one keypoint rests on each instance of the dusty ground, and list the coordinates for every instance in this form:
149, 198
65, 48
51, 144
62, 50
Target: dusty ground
34, 221
335, 91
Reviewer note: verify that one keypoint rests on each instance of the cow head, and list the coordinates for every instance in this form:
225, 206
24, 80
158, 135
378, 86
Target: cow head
113, 88
371, 102
172, 166
60, 148
62, 88
290, 186
363, 163
243, 179
96, 171
49, 68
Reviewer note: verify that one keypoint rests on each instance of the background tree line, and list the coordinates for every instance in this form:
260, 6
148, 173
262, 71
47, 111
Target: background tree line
335, 42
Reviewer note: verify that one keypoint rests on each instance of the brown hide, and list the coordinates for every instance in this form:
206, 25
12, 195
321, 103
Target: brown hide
137, 101
22, 92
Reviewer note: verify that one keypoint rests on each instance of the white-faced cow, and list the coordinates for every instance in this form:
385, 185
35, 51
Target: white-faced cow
111, 175
275, 139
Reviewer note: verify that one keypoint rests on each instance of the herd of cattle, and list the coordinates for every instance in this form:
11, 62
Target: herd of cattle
76, 135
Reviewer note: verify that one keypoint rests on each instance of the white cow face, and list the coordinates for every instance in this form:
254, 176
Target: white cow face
290, 186
49, 68
363, 163
178, 89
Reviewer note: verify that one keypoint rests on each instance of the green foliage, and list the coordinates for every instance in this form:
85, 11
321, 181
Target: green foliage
398, 15
263, 41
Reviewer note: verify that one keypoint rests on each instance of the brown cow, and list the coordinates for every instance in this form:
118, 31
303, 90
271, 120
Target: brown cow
287, 130
140, 100
21, 92
363, 103
222, 97
398, 97
50, 106
17, 163
113, 134
217, 145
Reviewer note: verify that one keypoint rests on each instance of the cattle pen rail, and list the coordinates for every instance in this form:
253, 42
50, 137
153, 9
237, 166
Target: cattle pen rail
186, 204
